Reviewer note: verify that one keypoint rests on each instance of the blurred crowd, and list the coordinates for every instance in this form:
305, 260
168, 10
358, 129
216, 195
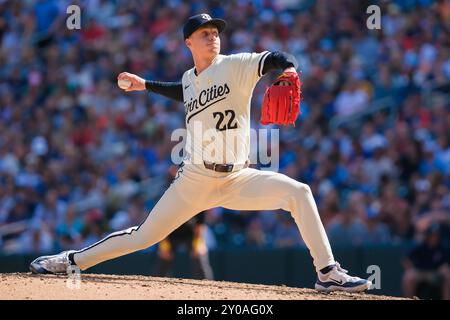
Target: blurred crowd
80, 158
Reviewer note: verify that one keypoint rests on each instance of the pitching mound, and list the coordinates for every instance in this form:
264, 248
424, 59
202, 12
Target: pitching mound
94, 287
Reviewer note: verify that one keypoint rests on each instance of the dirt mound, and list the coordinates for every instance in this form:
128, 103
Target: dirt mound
95, 287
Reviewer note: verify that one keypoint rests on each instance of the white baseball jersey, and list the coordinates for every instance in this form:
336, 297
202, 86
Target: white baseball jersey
217, 108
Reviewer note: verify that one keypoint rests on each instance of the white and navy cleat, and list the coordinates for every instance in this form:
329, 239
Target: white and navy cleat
56, 264
337, 279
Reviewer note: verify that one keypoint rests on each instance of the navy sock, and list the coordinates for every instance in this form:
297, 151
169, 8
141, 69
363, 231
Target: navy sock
327, 269
72, 261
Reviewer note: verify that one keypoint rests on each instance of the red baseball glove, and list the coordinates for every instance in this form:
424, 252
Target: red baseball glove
281, 103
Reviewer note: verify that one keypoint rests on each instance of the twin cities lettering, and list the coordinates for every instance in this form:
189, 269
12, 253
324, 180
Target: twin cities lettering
205, 99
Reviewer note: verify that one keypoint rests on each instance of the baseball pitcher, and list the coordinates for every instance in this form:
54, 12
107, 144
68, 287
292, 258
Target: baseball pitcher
216, 94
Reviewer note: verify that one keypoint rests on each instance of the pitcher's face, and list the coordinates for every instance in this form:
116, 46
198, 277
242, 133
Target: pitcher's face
204, 42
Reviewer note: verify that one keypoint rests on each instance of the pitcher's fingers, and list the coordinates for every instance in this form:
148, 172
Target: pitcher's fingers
124, 76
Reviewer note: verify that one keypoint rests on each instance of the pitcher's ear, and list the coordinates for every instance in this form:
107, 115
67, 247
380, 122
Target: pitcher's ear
187, 42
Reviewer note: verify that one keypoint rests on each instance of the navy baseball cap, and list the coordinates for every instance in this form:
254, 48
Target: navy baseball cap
199, 20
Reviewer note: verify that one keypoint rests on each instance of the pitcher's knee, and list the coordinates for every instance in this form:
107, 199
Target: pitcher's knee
298, 194
142, 244
302, 189
143, 241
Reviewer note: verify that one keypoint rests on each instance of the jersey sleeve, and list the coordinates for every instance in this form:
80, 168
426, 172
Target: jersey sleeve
247, 68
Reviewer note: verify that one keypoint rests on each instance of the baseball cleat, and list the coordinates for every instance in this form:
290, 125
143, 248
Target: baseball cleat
337, 279
56, 264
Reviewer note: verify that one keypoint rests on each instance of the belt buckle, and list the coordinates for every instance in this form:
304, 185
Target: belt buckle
229, 167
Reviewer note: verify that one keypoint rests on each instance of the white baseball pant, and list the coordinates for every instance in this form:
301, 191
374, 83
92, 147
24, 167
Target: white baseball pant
196, 189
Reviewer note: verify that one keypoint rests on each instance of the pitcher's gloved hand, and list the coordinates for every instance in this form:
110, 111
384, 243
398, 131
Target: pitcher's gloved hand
281, 103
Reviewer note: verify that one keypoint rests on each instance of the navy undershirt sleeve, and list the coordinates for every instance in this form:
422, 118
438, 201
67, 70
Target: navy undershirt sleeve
279, 60
172, 90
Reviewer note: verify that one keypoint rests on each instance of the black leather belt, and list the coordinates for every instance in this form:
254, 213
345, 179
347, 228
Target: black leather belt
222, 167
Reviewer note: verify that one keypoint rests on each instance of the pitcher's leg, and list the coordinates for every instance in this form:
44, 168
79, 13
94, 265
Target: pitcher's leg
258, 190
263, 190
189, 194
169, 213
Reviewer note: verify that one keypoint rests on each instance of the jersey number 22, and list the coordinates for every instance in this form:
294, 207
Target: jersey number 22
231, 124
